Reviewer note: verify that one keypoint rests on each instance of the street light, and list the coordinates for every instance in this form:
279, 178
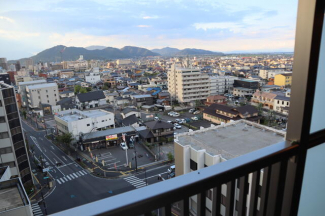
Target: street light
132, 139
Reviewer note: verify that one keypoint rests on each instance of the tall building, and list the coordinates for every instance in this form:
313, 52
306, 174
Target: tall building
5, 78
221, 84
13, 151
3, 63
22, 91
188, 84
46, 93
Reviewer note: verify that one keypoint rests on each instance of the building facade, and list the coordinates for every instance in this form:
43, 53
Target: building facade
13, 151
284, 79
47, 93
76, 121
188, 84
221, 84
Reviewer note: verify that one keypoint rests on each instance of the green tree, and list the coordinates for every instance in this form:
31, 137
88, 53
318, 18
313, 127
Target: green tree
104, 87
65, 138
77, 89
170, 156
24, 114
83, 90
88, 89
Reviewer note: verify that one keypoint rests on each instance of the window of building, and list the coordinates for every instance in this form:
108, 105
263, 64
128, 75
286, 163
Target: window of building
223, 200
88, 125
193, 165
2, 119
4, 135
48, 101
5, 150
209, 194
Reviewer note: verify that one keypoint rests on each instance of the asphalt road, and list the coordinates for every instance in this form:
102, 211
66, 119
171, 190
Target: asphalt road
74, 185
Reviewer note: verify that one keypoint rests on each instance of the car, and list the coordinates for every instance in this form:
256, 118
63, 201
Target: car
156, 118
170, 122
177, 126
171, 171
175, 133
182, 121
196, 112
124, 146
175, 114
191, 110
171, 113
194, 118
177, 121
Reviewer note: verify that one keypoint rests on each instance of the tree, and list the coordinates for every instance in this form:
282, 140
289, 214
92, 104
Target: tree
65, 138
170, 156
83, 90
77, 89
104, 87
88, 89
24, 114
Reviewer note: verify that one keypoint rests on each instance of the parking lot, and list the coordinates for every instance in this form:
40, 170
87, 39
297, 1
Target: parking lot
186, 115
115, 157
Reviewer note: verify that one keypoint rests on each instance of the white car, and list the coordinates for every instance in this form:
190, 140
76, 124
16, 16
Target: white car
156, 118
194, 118
191, 110
124, 146
175, 114
171, 113
177, 126
196, 112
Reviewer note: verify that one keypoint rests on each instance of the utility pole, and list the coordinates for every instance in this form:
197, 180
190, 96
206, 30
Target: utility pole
132, 139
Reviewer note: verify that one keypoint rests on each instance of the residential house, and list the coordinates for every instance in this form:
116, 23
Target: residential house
90, 100
217, 99
160, 130
140, 100
218, 113
65, 94
126, 112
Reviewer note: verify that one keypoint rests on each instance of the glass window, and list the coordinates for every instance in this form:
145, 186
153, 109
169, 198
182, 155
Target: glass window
4, 135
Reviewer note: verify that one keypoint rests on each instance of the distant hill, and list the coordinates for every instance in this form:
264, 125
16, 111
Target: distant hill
166, 51
95, 47
137, 51
72, 53
189, 51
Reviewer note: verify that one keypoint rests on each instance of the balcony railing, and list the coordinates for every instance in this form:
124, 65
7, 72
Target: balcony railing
274, 166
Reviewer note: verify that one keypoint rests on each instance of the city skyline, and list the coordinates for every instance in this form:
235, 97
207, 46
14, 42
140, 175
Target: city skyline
29, 28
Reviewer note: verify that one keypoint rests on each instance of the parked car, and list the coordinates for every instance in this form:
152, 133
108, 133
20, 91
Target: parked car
124, 146
177, 126
175, 114
194, 118
175, 133
177, 121
191, 110
171, 113
171, 171
156, 118
170, 122
196, 112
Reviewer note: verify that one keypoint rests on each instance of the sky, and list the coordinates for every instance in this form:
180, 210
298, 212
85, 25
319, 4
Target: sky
28, 27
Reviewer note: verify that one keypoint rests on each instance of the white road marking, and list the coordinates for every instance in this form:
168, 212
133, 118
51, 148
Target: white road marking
75, 175
72, 176
81, 173
62, 180
68, 177
65, 179
58, 181
64, 158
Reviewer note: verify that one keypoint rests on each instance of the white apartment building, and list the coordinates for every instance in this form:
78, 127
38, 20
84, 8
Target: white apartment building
93, 77
13, 151
221, 84
22, 90
196, 150
76, 121
46, 93
268, 73
187, 84
123, 61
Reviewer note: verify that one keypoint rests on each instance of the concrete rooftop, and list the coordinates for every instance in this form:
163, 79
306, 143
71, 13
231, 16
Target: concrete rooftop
233, 139
74, 114
10, 198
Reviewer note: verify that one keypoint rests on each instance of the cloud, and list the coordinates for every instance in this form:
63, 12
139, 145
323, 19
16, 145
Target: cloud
222, 25
143, 26
7, 19
150, 17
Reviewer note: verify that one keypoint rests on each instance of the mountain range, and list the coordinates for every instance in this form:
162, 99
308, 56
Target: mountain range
63, 53
168, 51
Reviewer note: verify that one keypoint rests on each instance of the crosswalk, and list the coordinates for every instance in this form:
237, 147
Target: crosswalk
135, 181
71, 176
37, 211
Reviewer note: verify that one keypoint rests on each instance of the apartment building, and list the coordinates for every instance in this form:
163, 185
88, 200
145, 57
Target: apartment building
221, 84
46, 93
188, 84
196, 150
93, 77
76, 121
284, 79
267, 73
13, 151
22, 94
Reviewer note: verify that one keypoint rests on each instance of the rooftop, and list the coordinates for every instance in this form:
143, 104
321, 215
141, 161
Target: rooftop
45, 85
74, 114
233, 139
32, 82
12, 195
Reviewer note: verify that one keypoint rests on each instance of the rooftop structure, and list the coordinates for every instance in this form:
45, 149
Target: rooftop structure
233, 139
75, 114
